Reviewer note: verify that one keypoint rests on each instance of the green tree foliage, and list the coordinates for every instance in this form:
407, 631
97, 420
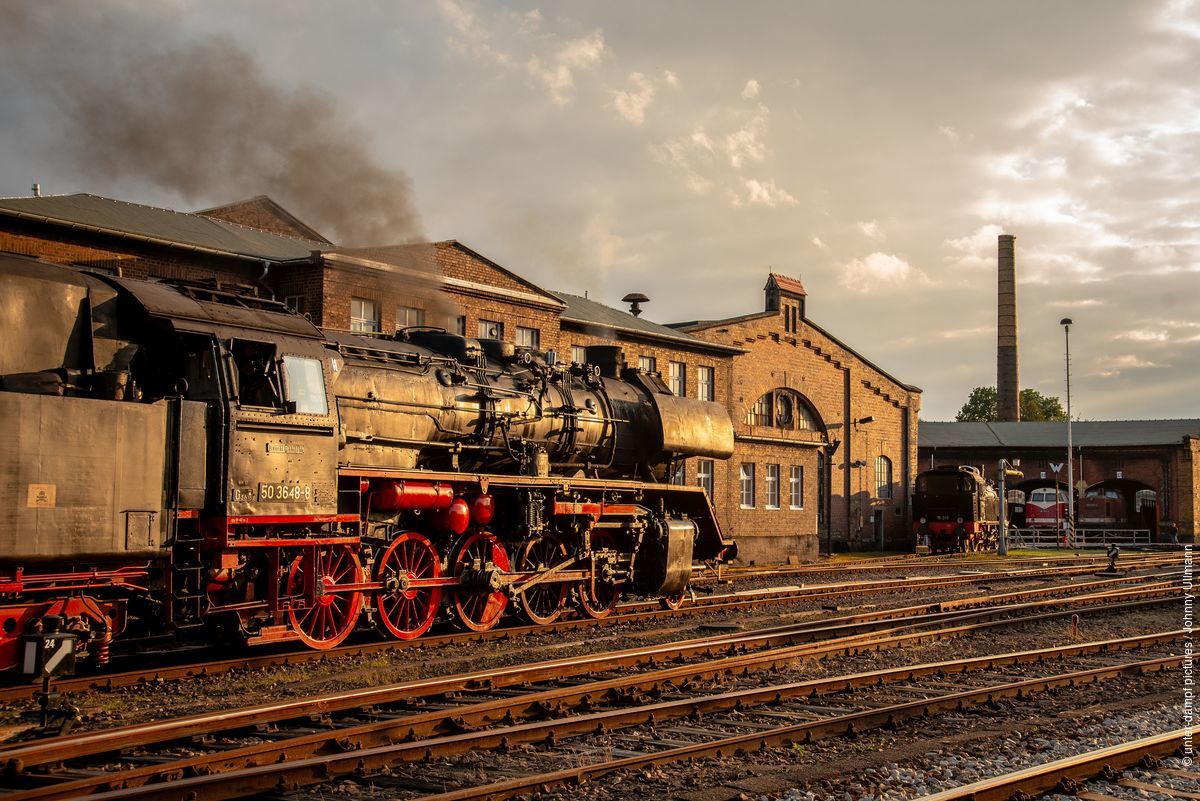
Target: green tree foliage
981, 406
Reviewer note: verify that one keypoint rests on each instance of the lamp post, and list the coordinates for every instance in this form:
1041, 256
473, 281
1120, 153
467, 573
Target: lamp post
1066, 323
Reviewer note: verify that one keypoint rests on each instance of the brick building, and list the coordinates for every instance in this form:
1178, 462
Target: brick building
825, 440
1152, 465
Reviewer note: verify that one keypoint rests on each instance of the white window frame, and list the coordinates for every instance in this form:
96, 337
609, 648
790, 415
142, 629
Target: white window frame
679, 475
706, 383
771, 480
579, 354
796, 487
405, 317
704, 476
529, 337
648, 364
677, 378
486, 327
883, 483
746, 482
361, 323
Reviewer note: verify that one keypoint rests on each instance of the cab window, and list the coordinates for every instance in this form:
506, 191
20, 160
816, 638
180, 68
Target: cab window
257, 377
305, 385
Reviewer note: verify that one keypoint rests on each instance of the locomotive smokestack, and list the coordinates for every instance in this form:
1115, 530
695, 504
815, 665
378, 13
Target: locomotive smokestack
1008, 386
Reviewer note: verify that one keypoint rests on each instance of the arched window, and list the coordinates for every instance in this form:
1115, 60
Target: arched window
883, 477
783, 408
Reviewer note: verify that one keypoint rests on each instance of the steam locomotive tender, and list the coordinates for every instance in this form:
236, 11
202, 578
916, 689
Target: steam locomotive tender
182, 463
956, 510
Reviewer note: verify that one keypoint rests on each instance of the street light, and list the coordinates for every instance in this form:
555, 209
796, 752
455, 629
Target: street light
1066, 323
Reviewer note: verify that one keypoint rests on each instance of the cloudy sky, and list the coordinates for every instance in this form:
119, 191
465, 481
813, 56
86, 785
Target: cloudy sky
685, 149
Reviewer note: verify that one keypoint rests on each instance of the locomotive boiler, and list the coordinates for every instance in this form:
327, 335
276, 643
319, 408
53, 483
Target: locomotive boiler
955, 510
185, 463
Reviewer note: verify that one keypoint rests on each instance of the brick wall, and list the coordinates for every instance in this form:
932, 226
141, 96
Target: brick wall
128, 258
841, 388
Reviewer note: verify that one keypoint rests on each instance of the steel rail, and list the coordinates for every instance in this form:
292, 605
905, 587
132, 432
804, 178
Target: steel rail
725, 651
807, 732
634, 613
1041, 779
457, 730
926, 563
288, 776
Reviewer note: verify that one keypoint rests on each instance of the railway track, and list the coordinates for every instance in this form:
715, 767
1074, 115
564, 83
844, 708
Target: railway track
1071, 775
627, 613
685, 722
221, 755
914, 562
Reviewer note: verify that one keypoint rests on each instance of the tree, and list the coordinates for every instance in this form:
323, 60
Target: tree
1036, 406
981, 406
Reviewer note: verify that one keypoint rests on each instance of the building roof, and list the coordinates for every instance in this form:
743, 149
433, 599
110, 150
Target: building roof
593, 313
787, 284
1084, 434
261, 212
159, 226
701, 325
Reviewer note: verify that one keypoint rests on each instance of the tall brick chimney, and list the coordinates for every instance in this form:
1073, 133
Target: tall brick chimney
1008, 385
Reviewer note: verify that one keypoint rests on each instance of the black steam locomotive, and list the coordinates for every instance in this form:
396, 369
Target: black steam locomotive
183, 463
955, 510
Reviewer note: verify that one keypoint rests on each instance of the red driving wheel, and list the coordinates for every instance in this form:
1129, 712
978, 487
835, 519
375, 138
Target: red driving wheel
543, 603
407, 610
326, 619
598, 598
479, 607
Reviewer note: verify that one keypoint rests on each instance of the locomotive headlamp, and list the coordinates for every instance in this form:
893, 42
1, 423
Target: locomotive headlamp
960, 520
923, 521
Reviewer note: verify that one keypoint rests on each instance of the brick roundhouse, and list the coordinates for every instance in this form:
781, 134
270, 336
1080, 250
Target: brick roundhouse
825, 443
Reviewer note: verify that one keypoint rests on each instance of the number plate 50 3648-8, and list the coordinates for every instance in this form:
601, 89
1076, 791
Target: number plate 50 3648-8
285, 493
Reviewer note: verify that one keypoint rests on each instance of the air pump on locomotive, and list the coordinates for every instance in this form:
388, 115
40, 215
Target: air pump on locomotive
181, 463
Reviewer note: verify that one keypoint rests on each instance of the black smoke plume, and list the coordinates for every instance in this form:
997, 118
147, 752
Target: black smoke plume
201, 119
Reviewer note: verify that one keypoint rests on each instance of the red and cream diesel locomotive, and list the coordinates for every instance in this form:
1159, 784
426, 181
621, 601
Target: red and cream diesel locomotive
181, 464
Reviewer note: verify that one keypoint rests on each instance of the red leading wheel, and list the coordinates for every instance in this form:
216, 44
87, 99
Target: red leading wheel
543, 603
479, 607
407, 609
598, 597
326, 619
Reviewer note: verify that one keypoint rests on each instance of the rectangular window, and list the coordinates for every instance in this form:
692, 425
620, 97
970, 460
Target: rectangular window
295, 303
408, 316
491, 329
704, 476
772, 486
305, 385
679, 475
678, 376
746, 484
461, 325
364, 316
648, 363
706, 384
529, 337
578, 354
796, 487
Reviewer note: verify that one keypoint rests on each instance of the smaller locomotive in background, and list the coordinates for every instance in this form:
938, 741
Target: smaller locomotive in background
955, 510
187, 464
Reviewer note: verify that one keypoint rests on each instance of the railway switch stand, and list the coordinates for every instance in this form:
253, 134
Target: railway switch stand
51, 654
